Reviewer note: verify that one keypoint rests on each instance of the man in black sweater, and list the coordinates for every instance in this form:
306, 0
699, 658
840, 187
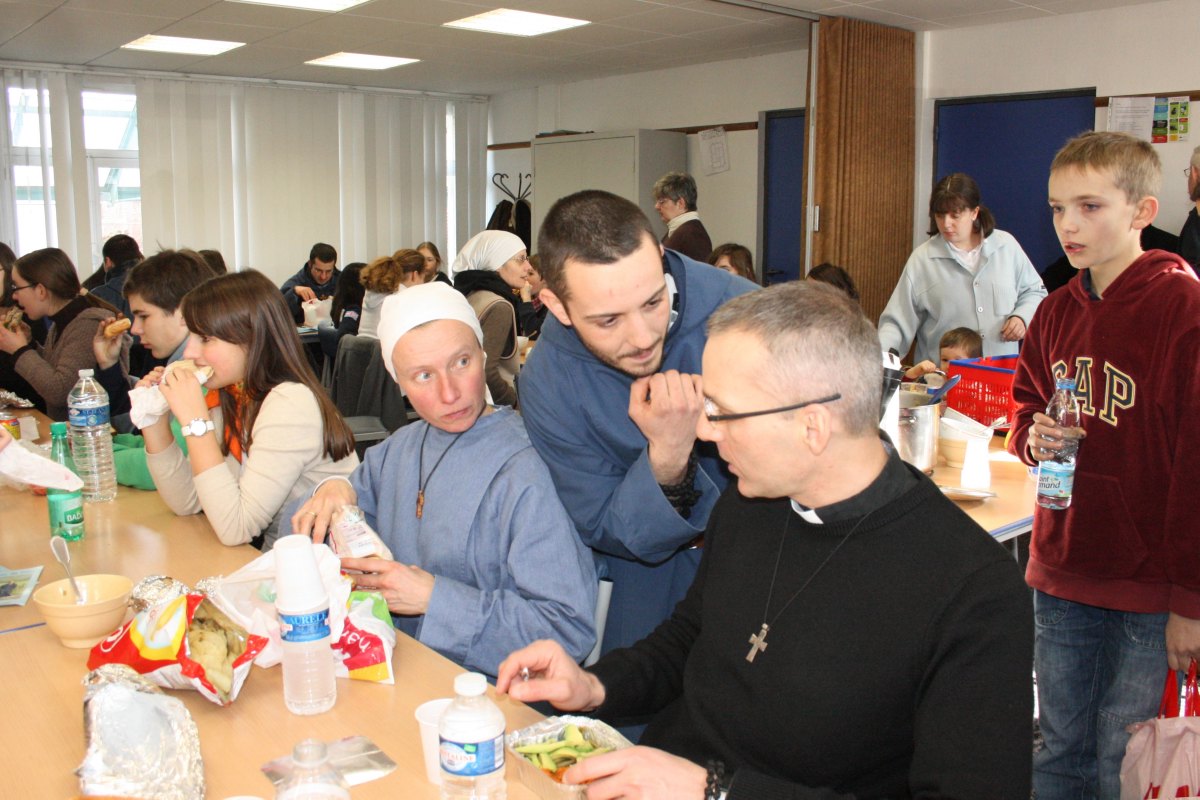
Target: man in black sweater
850, 632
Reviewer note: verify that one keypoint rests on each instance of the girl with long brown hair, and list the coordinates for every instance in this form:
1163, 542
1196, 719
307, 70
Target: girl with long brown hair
45, 285
265, 434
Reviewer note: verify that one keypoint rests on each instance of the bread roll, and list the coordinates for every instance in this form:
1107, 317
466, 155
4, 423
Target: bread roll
117, 328
202, 373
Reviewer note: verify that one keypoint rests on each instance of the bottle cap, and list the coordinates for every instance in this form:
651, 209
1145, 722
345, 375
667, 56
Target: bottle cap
470, 684
58, 429
1065, 383
298, 586
86, 373
310, 753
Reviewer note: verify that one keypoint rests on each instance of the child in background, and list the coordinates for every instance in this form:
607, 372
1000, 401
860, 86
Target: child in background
265, 434
956, 343
959, 343
1116, 576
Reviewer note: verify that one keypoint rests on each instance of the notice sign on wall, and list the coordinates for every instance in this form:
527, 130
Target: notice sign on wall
1156, 119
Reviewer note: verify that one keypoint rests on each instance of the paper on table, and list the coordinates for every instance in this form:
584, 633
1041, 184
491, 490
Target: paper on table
21, 463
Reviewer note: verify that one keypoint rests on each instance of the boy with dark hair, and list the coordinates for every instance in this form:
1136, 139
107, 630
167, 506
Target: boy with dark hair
154, 290
1117, 575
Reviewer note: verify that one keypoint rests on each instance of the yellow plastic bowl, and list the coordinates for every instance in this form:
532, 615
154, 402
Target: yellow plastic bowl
106, 597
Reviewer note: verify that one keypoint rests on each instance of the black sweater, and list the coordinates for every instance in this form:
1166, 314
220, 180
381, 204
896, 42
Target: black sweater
903, 670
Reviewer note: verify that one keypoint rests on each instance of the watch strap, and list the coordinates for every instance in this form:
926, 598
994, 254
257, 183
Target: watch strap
204, 423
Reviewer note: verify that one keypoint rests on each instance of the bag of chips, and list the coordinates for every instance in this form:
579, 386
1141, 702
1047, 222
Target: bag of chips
185, 643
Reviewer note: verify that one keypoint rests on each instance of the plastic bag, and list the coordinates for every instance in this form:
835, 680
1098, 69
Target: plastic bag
186, 643
360, 626
315, 311
1162, 758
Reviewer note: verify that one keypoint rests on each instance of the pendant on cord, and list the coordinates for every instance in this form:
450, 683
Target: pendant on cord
758, 643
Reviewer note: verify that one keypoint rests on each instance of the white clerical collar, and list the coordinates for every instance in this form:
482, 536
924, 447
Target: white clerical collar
809, 515
686, 216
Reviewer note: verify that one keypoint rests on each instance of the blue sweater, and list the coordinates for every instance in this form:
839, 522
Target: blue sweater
576, 411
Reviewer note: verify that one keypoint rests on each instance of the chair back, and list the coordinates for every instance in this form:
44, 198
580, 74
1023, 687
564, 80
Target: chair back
361, 385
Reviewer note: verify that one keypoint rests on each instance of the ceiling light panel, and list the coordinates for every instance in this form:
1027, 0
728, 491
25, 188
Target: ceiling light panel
516, 23
360, 61
307, 5
182, 44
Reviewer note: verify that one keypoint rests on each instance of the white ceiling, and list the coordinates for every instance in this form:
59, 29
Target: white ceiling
627, 36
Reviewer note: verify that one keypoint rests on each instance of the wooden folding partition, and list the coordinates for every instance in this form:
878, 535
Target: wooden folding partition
864, 153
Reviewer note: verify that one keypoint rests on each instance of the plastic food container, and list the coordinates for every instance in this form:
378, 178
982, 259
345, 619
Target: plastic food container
538, 781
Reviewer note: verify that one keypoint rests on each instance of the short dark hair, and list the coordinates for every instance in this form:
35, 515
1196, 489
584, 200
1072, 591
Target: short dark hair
349, 292
591, 226
7, 259
834, 276
966, 338
165, 277
322, 252
215, 261
739, 257
958, 191
677, 186
122, 248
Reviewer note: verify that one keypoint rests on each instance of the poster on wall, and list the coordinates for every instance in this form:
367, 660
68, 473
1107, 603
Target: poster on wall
1177, 118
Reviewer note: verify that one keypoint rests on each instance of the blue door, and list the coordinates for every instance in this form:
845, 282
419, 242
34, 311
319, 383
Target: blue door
783, 197
1006, 143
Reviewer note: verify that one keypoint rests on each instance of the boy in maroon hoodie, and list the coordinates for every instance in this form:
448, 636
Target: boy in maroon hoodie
1117, 575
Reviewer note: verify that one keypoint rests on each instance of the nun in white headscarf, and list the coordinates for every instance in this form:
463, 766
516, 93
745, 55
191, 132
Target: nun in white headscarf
490, 270
487, 559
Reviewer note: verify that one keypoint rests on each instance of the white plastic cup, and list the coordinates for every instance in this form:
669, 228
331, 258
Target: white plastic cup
428, 715
298, 585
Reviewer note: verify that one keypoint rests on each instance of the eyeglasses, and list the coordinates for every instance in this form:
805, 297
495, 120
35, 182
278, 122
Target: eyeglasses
711, 409
1187, 172
16, 288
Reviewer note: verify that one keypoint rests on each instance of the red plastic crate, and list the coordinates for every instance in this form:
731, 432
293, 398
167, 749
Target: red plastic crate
984, 392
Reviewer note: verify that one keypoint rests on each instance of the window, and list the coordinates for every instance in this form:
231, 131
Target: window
111, 136
33, 181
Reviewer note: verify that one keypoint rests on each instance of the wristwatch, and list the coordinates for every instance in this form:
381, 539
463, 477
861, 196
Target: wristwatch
198, 427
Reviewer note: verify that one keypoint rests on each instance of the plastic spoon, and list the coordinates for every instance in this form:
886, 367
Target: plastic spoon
950, 383
59, 546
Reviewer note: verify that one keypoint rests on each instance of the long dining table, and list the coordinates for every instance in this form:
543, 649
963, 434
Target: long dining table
137, 535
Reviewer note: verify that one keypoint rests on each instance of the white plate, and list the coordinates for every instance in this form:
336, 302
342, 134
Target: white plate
959, 493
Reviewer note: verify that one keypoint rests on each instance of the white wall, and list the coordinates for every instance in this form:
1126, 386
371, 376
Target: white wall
1132, 50
706, 94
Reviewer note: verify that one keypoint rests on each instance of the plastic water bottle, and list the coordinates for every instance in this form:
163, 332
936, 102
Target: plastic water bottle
313, 777
66, 507
1056, 477
471, 737
309, 682
91, 441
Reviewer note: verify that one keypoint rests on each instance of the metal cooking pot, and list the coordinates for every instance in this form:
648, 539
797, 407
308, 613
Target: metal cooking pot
918, 430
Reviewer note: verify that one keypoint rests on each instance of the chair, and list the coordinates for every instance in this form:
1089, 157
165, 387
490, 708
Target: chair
364, 393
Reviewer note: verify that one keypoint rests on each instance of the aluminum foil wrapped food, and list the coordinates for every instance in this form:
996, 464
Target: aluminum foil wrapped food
156, 590
10, 400
140, 742
597, 734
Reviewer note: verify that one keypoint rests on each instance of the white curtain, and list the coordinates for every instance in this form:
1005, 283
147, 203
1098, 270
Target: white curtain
52, 141
262, 173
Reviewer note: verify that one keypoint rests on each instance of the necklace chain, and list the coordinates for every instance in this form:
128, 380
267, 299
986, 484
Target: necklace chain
422, 478
758, 641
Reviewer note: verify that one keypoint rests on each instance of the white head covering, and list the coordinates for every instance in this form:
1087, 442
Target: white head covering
487, 250
417, 305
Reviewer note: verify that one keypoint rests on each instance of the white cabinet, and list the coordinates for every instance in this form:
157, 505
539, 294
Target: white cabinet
626, 163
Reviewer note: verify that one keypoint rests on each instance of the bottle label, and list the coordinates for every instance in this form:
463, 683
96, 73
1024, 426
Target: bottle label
87, 417
471, 759
66, 514
1055, 479
304, 627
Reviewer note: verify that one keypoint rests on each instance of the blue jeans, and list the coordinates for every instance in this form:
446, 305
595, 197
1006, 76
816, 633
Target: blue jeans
1097, 672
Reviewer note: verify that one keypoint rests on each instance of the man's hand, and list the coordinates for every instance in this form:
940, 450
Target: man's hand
554, 676
404, 587
1183, 641
665, 407
1013, 330
641, 772
107, 349
1046, 437
304, 293
313, 518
